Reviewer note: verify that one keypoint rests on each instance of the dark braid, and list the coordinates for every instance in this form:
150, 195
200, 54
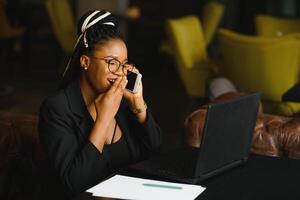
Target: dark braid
97, 34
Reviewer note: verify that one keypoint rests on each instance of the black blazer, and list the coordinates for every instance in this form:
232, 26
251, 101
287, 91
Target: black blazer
64, 126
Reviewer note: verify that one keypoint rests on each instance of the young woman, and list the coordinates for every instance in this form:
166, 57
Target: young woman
93, 126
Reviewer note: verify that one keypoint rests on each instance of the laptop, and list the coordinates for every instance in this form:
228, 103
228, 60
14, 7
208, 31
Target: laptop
225, 143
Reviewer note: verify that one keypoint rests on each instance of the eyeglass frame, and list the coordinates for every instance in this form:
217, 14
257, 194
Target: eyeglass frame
107, 59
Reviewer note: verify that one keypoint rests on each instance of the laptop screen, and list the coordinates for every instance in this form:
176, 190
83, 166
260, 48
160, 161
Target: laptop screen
227, 133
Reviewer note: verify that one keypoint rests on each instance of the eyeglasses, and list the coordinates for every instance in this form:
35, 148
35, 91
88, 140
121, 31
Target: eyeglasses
114, 65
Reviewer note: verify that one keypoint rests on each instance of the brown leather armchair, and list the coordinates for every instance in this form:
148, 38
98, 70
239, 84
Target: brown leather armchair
273, 135
24, 172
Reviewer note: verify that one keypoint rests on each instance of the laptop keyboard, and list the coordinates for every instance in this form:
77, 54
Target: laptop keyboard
178, 163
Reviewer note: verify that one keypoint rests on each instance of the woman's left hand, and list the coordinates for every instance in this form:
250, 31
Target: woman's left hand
132, 97
136, 100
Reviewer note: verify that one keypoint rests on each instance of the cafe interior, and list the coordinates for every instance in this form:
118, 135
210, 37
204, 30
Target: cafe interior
190, 53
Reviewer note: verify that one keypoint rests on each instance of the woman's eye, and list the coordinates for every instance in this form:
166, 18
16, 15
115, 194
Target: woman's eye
112, 62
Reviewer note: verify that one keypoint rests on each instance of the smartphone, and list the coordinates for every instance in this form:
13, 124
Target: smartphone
134, 80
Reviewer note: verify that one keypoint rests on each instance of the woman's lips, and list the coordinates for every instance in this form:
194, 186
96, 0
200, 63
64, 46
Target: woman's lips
111, 81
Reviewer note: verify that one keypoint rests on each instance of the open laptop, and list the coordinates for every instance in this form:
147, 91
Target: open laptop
226, 141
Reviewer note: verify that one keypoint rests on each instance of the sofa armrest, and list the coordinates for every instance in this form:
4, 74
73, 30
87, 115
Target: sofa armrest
265, 140
290, 137
273, 135
194, 125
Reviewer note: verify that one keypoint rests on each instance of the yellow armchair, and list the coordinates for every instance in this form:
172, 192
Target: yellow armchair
188, 45
63, 23
269, 65
212, 14
267, 25
211, 17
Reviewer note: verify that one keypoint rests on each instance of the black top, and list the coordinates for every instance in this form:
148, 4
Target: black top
64, 127
119, 154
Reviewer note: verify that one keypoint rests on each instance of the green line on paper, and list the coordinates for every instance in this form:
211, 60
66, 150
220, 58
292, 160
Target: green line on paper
162, 186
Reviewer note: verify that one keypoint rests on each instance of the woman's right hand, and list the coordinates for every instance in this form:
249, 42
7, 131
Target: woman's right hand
108, 104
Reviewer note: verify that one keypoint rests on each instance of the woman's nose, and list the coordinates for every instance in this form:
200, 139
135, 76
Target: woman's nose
120, 71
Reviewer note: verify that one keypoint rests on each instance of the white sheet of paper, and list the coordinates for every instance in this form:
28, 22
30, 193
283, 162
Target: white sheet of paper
124, 187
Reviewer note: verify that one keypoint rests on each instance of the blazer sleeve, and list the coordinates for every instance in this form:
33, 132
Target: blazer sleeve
148, 135
80, 164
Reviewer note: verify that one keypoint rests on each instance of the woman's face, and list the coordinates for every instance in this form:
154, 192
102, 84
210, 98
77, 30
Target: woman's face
98, 75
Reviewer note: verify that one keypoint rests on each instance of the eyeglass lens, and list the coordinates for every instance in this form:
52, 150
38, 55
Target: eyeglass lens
114, 65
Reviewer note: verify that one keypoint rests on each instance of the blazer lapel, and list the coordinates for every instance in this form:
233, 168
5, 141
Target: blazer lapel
77, 105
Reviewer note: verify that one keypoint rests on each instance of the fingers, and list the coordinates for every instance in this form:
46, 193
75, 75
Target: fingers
135, 70
119, 85
122, 85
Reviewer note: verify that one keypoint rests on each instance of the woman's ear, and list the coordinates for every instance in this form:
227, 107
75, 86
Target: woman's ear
84, 62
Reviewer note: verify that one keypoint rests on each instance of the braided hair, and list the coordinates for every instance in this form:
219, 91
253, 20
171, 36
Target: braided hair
94, 28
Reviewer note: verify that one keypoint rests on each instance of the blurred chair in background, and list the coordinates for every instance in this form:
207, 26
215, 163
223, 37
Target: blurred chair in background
188, 45
268, 65
64, 28
271, 26
63, 23
7, 31
212, 14
9, 35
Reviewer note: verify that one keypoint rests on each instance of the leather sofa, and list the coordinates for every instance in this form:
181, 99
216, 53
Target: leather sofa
274, 135
24, 172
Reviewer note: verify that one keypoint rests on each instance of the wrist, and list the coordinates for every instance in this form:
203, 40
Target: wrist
102, 121
139, 109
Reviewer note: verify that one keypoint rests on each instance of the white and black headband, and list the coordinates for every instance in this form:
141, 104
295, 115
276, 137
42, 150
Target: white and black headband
85, 25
